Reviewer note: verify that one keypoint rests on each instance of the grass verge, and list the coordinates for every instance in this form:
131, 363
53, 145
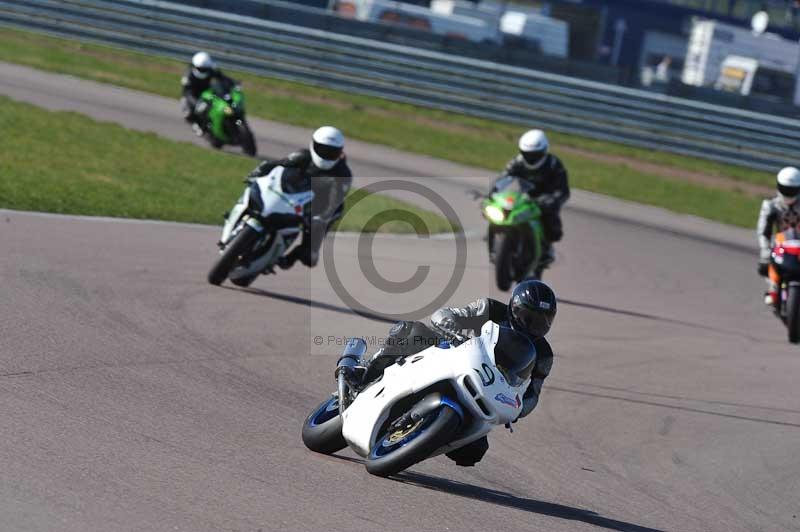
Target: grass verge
459, 138
68, 163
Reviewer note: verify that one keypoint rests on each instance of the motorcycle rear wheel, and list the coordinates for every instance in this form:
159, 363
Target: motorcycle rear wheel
322, 429
246, 139
240, 245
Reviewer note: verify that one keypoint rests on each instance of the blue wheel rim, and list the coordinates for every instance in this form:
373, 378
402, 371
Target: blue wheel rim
327, 411
384, 447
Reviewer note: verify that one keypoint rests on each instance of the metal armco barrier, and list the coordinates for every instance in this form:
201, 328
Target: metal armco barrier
421, 77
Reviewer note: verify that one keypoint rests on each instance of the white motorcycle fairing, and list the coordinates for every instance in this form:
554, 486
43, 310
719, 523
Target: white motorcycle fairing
470, 369
273, 200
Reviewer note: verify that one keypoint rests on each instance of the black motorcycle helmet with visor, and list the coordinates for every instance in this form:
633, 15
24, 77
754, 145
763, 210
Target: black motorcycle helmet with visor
532, 308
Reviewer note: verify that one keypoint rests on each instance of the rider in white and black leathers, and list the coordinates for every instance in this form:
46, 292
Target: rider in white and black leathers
781, 212
540, 168
531, 311
325, 166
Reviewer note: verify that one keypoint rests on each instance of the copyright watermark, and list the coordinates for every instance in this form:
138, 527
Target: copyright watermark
377, 342
397, 280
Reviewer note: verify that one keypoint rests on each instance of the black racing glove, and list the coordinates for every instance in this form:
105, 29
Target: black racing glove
763, 269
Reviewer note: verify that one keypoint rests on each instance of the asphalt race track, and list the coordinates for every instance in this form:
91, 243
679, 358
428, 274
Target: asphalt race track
135, 396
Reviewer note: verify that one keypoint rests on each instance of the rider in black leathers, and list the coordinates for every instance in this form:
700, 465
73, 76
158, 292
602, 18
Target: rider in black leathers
548, 177
199, 77
531, 311
325, 166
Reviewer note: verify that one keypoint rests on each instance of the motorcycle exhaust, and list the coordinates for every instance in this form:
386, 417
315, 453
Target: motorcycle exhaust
349, 368
352, 355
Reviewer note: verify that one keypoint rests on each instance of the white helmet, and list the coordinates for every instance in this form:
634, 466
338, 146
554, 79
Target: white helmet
326, 147
789, 184
202, 65
533, 147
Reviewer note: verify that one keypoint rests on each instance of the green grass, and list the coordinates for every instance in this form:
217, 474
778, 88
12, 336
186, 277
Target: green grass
67, 163
459, 138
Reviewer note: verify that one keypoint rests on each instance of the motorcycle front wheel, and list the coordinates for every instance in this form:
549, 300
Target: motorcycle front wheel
503, 260
240, 245
400, 448
793, 313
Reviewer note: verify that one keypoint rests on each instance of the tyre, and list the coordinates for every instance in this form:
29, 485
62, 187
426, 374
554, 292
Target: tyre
214, 141
504, 244
322, 429
244, 282
393, 452
240, 245
793, 313
246, 139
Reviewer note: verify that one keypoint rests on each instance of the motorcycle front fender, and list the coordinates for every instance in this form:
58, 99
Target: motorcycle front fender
232, 221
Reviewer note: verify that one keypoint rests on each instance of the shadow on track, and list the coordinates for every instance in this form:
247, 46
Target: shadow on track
651, 317
675, 407
305, 302
377, 317
502, 498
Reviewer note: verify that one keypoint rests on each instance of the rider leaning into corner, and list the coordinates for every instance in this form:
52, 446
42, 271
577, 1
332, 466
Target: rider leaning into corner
530, 311
781, 212
324, 165
549, 185
198, 78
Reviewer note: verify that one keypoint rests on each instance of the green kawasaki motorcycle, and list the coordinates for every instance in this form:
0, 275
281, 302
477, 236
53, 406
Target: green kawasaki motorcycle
516, 239
226, 123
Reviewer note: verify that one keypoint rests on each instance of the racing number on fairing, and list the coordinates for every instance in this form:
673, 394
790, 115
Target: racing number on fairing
488, 378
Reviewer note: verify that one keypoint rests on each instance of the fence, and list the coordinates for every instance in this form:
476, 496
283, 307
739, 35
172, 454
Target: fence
422, 77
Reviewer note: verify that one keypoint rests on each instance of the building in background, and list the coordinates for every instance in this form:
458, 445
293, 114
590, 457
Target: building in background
639, 43
486, 22
736, 59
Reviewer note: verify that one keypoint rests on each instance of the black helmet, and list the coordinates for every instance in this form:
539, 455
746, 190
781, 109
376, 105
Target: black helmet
532, 308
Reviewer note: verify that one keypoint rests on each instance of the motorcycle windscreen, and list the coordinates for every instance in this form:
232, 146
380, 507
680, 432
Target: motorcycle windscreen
513, 184
514, 356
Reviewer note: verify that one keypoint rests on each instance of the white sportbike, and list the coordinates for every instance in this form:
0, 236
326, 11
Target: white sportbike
250, 243
425, 404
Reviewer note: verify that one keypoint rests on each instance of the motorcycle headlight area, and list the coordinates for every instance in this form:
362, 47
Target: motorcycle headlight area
494, 214
255, 203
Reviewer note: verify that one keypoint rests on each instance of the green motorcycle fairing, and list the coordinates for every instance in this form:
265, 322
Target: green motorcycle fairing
221, 109
509, 207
